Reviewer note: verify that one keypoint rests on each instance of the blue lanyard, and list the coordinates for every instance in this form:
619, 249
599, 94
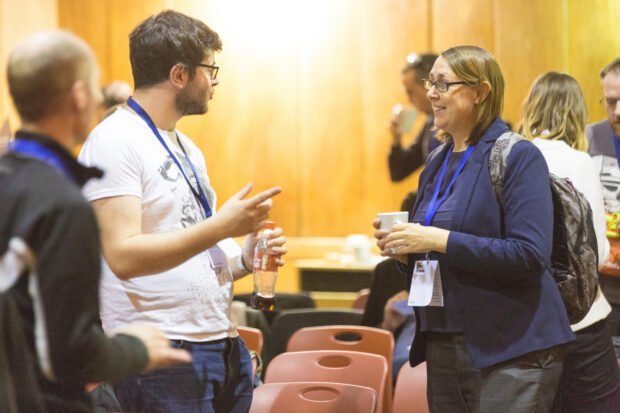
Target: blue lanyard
434, 205
617, 146
40, 152
200, 195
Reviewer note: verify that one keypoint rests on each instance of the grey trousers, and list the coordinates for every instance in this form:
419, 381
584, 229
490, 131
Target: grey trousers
526, 384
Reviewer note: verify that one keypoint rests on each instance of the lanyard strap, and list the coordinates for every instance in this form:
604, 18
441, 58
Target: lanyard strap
200, 194
434, 205
40, 152
617, 146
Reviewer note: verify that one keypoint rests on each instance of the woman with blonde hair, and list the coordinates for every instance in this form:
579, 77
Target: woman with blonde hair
554, 118
493, 328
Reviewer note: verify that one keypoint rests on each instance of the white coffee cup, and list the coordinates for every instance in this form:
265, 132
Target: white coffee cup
406, 117
389, 219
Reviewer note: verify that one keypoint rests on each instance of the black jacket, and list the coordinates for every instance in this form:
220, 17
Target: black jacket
50, 269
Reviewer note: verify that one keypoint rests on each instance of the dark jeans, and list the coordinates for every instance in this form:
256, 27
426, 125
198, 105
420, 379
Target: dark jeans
591, 378
613, 320
219, 379
525, 384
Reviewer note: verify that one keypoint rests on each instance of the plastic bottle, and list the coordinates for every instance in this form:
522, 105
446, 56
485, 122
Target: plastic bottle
265, 272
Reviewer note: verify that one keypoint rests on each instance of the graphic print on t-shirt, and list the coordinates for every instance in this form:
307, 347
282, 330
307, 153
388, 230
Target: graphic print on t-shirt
191, 210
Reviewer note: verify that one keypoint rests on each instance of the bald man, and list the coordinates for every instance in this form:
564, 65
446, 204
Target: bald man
49, 242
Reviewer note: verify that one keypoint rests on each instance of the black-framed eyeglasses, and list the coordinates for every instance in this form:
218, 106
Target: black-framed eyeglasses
440, 86
212, 70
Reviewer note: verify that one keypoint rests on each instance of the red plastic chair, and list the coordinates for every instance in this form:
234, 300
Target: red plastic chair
313, 397
410, 392
358, 338
333, 366
252, 337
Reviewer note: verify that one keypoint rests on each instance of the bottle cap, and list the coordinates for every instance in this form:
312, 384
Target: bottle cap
270, 225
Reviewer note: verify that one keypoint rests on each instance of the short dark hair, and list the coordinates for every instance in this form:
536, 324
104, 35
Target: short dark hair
421, 64
164, 40
613, 66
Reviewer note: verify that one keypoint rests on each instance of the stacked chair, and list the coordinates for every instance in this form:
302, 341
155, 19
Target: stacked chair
308, 397
318, 358
331, 366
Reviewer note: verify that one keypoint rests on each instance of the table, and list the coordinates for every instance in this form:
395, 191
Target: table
333, 276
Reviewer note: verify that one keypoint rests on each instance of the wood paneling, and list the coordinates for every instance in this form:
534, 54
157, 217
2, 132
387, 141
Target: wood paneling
593, 41
89, 20
457, 22
330, 129
523, 51
306, 87
391, 30
251, 133
17, 20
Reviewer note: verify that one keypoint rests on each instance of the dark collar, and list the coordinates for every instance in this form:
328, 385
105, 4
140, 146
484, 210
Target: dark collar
79, 172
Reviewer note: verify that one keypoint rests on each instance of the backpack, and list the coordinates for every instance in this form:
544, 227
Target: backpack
574, 257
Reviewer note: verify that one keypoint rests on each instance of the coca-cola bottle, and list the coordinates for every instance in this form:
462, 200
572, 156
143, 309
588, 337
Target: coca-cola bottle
265, 272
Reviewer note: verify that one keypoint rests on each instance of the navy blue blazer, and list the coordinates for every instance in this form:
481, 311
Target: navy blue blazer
499, 266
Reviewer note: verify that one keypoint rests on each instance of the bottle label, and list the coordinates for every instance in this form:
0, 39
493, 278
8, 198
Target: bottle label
265, 262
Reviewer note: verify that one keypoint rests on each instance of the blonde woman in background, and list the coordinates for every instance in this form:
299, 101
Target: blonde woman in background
554, 119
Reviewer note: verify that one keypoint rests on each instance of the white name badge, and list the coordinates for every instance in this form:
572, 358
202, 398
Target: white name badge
426, 289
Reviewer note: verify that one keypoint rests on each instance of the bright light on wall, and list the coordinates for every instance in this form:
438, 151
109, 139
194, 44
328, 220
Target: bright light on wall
272, 25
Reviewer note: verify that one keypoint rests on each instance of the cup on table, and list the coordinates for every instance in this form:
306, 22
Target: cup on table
389, 219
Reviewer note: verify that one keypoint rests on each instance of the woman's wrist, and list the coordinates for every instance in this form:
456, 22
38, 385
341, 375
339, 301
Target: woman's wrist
440, 240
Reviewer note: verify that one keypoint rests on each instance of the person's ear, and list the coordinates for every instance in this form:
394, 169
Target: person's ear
179, 75
482, 92
79, 95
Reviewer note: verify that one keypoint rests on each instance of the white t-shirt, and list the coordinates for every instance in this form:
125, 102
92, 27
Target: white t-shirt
191, 301
566, 162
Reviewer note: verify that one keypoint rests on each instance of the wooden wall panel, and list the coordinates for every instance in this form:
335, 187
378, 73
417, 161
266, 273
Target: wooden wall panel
391, 30
457, 22
89, 20
17, 20
593, 41
331, 126
251, 133
306, 87
521, 49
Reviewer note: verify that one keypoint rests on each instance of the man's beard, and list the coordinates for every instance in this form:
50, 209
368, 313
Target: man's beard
188, 105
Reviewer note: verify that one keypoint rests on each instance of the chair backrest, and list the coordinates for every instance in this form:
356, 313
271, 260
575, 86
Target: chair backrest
289, 321
350, 338
334, 366
313, 397
410, 391
252, 337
